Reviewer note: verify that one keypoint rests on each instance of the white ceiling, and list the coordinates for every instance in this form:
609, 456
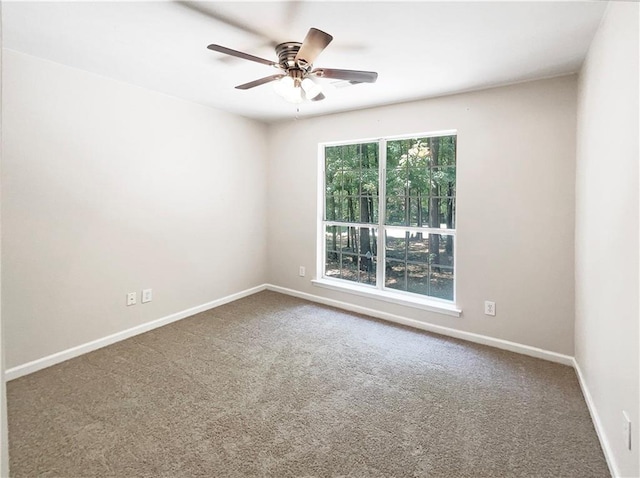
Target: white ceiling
419, 49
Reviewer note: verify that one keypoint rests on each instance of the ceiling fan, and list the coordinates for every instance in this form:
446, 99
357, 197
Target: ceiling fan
295, 62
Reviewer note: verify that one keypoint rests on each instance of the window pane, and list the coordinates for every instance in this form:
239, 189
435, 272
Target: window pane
419, 262
369, 180
396, 182
395, 275
332, 238
395, 151
418, 278
444, 180
331, 180
353, 209
414, 211
396, 244
425, 204
349, 267
332, 265
419, 181
441, 250
368, 269
350, 253
441, 266
441, 283
421, 170
396, 210
367, 207
408, 153
435, 217
438, 212
352, 183
339, 207
418, 250
333, 158
330, 209
367, 241
448, 212
336, 206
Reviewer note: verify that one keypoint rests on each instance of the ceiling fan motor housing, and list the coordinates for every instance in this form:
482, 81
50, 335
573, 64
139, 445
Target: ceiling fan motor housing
287, 57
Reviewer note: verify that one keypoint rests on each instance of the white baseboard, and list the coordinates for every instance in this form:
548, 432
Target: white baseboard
48, 361
597, 423
438, 329
58, 357
480, 339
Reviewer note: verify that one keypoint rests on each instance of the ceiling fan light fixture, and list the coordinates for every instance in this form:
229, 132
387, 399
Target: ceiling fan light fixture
284, 86
288, 87
294, 95
311, 88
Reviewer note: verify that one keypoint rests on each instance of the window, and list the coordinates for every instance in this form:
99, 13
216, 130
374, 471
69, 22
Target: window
389, 215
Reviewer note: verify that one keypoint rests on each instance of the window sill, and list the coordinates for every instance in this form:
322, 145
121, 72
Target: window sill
400, 299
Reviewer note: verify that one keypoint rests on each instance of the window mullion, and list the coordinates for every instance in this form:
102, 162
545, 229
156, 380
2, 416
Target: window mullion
382, 193
366, 225
321, 255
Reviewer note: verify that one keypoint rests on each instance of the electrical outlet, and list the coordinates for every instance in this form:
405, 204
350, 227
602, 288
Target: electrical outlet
131, 298
626, 430
147, 295
489, 308
302, 271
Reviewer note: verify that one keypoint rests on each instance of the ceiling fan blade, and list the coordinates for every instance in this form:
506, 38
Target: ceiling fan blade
261, 81
239, 54
313, 44
350, 75
209, 9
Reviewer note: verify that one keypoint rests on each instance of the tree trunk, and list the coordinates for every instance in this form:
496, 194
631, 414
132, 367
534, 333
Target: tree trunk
365, 216
352, 213
365, 243
434, 205
332, 217
449, 246
419, 199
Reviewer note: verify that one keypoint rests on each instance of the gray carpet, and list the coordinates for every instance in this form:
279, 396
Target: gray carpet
276, 386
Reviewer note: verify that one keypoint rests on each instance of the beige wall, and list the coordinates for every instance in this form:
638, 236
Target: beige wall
108, 188
516, 159
607, 315
4, 445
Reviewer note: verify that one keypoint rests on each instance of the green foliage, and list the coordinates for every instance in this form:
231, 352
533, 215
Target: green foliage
416, 180
419, 172
351, 174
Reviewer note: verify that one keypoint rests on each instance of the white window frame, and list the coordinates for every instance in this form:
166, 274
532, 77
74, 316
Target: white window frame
378, 291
